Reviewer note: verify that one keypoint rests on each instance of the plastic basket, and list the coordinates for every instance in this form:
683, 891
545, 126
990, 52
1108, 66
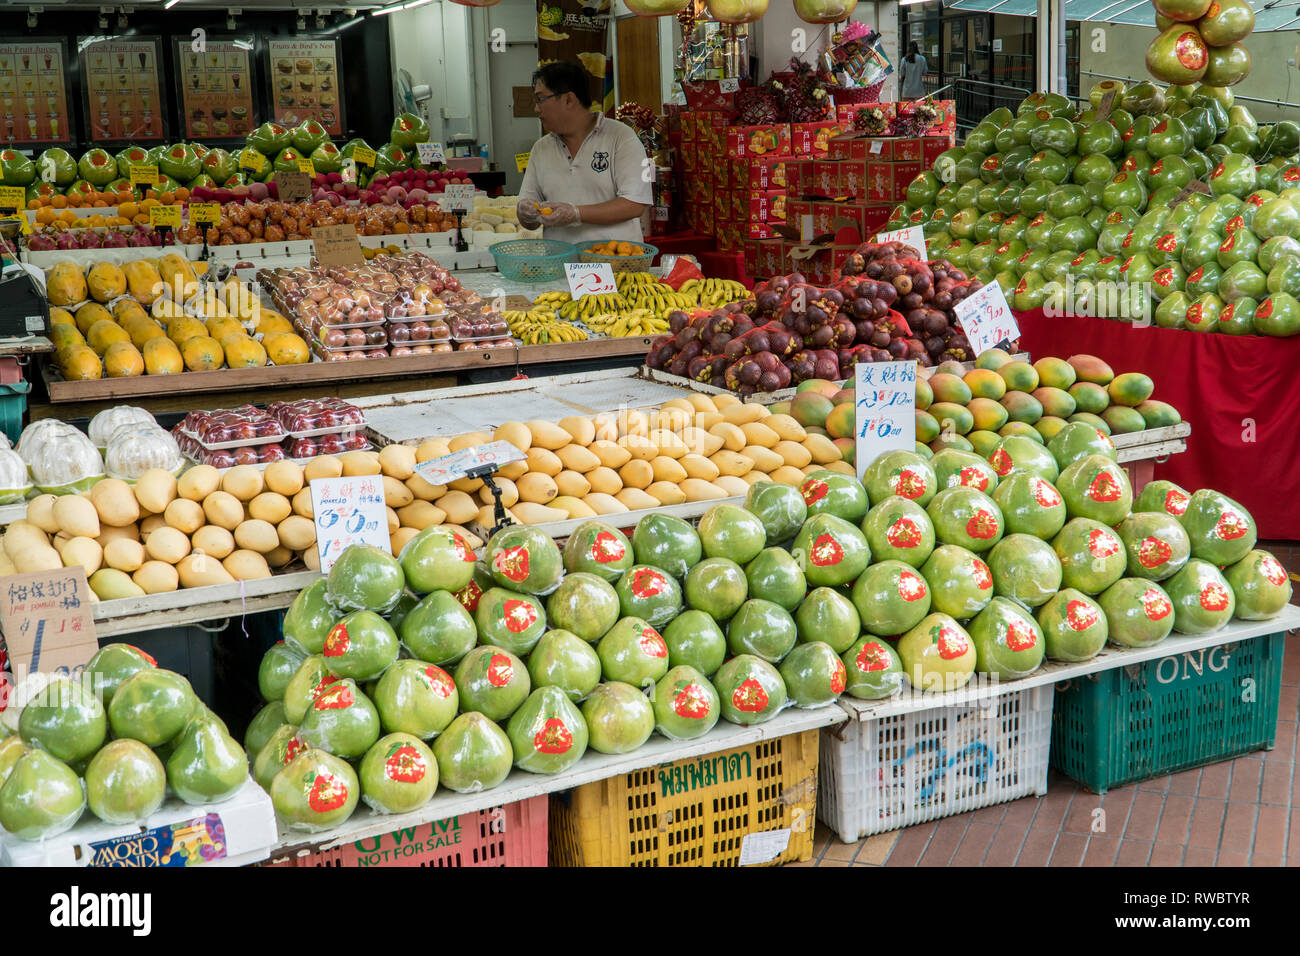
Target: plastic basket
13, 403
510, 835
620, 263
1167, 715
695, 812
532, 260
892, 772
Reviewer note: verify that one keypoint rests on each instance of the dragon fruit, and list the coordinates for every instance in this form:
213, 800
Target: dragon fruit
140, 238
116, 239
91, 240
66, 241
42, 242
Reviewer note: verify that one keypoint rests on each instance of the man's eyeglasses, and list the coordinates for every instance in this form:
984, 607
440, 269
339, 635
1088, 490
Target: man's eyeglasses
538, 100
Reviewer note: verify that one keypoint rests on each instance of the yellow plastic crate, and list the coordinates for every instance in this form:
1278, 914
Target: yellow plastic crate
694, 812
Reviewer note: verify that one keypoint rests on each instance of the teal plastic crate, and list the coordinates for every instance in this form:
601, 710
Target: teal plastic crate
1166, 715
13, 403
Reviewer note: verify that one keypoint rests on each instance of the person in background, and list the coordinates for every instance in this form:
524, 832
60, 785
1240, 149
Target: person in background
911, 73
587, 178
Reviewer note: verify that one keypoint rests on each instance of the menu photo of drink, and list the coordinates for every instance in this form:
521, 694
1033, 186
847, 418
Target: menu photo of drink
33, 93
216, 87
123, 92
305, 83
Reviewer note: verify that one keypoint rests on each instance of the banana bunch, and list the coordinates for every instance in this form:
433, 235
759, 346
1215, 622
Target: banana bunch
590, 305
658, 298
550, 299
539, 326
633, 280
711, 293
631, 322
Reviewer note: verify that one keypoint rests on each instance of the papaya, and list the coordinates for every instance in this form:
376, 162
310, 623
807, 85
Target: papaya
63, 335
269, 321
243, 351
142, 330
143, 281
162, 357
104, 333
105, 281
180, 282
65, 284
123, 360
220, 326
126, 309
61, 317
202, 354
179, 330
89, 314
79, 363
286, 348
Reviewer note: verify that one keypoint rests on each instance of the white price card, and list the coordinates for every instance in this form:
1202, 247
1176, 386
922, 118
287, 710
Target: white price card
806, 227
445, 470
885, 393
457, 196
430, 153
590, 278
763, 847
348, 511
729, 86
986, 319
913, 236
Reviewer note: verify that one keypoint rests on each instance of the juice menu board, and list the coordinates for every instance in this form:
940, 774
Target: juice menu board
216, 88
305, 83
33, 97
123, 99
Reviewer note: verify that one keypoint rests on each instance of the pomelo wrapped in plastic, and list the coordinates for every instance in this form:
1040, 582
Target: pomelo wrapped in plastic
42, 797
280, 662
61, 458
524, 559
125, 782
398, 774
547, 733
15, 483
310, 617
750, 690
105, 423
473, 754
315, 791
207, 764
619, 718
64, 719
685, 704
365, 578
260, 729
134, 449
114, 663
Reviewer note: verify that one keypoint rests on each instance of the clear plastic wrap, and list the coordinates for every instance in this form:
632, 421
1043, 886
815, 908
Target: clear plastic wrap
315, 791
103, 425
15, 483
309, 417
231, 427
135, 448
62, 459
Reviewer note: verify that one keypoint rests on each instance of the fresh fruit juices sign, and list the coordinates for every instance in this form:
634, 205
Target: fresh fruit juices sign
306, 83
45, 616
348, 510
216, 88
573, 30
986, 319
123, 98
33, 93
886, 410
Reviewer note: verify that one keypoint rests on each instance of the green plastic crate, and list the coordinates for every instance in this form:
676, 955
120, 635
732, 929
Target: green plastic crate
13, 403
1166, 715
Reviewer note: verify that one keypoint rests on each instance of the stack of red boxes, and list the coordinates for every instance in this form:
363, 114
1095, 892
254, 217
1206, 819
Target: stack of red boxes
704, 168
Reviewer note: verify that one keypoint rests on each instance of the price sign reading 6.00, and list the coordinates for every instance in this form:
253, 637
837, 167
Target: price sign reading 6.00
886, 410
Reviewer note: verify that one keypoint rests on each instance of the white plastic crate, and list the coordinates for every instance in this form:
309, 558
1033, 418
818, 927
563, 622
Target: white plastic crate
880, 774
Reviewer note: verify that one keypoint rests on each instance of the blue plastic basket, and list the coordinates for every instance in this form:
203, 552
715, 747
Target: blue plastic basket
533, 260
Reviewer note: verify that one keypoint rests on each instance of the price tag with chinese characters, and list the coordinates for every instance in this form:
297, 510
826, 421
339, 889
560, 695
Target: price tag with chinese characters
429, 153
169, 216
348, 511
986, 319
448, 468
251, 159
590, 278
729, 85
292, 186
366, 157
305, 166
457, 196
25, 226
13, 197
47, 623
144, 175
913, 236
886, 410
337, 245
205, 213
521, 161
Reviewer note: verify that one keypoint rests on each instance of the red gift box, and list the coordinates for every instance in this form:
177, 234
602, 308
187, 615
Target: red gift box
767, 205
904, 173
932, 147
880, 182
762, 230
826, 178
765, 173
758, 141
799, 177
812, 139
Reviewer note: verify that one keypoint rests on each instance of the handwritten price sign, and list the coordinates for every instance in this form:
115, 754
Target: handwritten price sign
348, 511
428, 153
590, 278
986, 319
913, 236
886, 410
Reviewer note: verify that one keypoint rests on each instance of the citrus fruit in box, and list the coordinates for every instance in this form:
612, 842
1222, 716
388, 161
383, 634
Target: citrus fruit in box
780, 508
1030, 505
890, 597
1139, 613
152, 706
598, 548
649, 593
813, 674
365, 578
114, 663
619, 718
902, 473
417, 698
492, 681
280, 662
341, 719
1260, 586
827, 615
1073, 626
830, 551
315, 791
41, 798
750, 690
717, 586
1025, 569
874, 669
360, 646
473, 754
727, 531
937, 654
398, 774
510, 620
125, 782
1221, 531
437, 559
775, 576
547, 733
206, 765
562, 659
524, 559
1008, 642
64, 719
685, 704
694, 638
584, 604
438, 629
662, 541
1203, 600
829, 492
1092, 555
763, 629
960, 583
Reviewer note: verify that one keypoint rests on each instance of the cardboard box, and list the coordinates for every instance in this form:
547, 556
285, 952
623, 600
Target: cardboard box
762, 173
904, 173
823, 266
768, 258
689, 126
704, 219
721, 207
827, 216
932, 147
721, 178
762, 230
799, 177
847, 113
768, 205
758, 141
812, 139
689, 156
826, 178
795, 211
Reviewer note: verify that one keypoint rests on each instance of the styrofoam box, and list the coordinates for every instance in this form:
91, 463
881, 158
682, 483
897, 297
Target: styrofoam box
881, 774
235, 832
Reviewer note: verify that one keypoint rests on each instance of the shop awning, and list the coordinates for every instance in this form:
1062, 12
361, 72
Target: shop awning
1270, 15
1016, 8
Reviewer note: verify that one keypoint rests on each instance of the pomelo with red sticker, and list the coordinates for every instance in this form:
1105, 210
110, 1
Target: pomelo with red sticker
829, 492
492, 681
510, 619
315, 791
813, 674
1221, 531
280, 748
584, 604
901, 473
417, 698
1030, 505
439, 629
830, 550
470, 594
341, 720
961, 585
1096, 487
598, 548
1202, 599
891, 598
437, 559
547, 733
685, 703
1073, 626
1092, 555
524, 559
938, 654
398, 774
750, 689
1008, 643
633, 652
360, 646
1261, 587
1021, 453
649, 593
1156, 544
954, 468
1138, 612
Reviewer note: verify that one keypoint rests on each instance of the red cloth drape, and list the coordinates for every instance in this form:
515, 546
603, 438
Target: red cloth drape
1241, 395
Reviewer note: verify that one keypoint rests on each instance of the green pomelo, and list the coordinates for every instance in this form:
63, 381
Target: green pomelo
1260, 586
365, 578
1092, 555
41, 798
694, 638
547, 733
1203, 600
510, 620
473, 754
526, 559
902, 473
114, 663
404, 606
937, 654
310, 617
1096, 487
1073, 626
774, 576
341, 720
961, 585
717, 586
750, 690
727, 531
633, 652
11, 748
814, 675
827, 615
1156, 544
416, 698
315, 791
64, 719
1220, 530
829, 492
562, 659
280, 748
762, 629
437, 559
899, 530
1025, 568
398, 774
280, 662
492, 681
890, 597
1078, 440
1138, 612
874, 669
685, 704
152, 706
1030, 505
663, 541
309, 680
780, 508
1163, 496
967, 518
1022, 453
1008, 643
584, 604
266, 722
439, 629
619, 718
125, 782
830, 551
361, 645
207, 765
954, 469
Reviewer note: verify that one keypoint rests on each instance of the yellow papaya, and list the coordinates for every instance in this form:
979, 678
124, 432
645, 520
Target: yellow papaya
64, 335
105, 281
89, 314
221, 326
103, 334
65, 283
183, 328
79, 363
178, 277
142, 330
143, 280
61, 316
202, 354
125, 309
286, 348
122, 360
269, 320
162, 357
243, 351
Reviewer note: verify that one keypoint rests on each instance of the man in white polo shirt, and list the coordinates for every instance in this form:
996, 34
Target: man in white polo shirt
588, 178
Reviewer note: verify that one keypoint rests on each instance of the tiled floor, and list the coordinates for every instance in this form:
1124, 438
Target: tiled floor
1242, 812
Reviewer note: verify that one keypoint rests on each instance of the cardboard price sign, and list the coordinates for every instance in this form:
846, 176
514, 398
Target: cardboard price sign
144, 175
913, 236
293, 186
25, 225
429, 153
251, 159
448, 468
205, 213
45, 616
169, 216
457, 196
986, 319
590, 278
1195, 186
885, 419
13, 197
348, 511
363, 155
337, 245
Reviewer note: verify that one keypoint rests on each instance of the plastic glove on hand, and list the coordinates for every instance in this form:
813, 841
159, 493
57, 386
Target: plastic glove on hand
560, 214
528, 213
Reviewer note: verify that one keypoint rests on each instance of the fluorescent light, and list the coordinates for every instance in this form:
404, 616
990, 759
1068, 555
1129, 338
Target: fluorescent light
387, 10
416, 3
170, 3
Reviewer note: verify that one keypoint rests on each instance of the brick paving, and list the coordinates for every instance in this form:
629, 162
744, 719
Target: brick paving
1240, 812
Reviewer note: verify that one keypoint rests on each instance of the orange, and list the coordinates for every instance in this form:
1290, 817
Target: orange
181, 194
151, 194
34, 204
59, 202
45, 216
128, 210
